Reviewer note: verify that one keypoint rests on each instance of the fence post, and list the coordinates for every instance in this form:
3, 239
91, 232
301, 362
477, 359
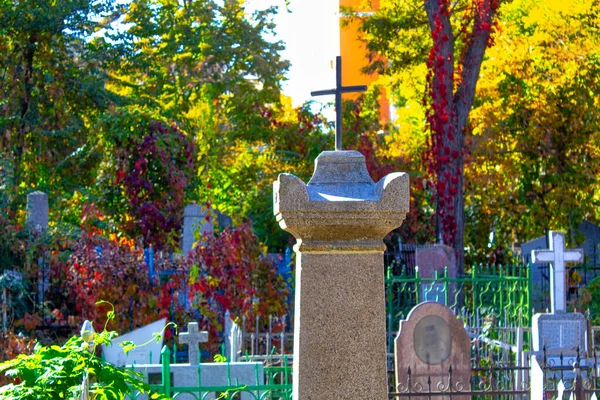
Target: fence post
446, 287
166, 370
501, 287
529, 289
578, 380
475, 287
418, 284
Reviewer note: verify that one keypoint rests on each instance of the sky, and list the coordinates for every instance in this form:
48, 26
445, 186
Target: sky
311, 34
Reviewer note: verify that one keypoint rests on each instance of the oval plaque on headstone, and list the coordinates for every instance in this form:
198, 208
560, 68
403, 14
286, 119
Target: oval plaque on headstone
432, 340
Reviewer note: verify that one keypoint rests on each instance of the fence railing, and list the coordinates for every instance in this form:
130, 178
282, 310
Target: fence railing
569, 376
501, 291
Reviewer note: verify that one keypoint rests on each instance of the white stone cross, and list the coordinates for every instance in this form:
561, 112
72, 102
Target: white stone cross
557, 256
192, 338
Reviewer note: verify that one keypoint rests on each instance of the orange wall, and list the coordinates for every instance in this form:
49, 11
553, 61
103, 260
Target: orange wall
354, 56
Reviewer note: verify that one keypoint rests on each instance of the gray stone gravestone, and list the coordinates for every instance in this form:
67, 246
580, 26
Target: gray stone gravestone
432, 260
339, 220
193, 337
559, 332
194, 218
430, 341
37, 221
37, 211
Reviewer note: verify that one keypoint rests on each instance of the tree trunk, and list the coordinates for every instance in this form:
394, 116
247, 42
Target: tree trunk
451, 103
25, 104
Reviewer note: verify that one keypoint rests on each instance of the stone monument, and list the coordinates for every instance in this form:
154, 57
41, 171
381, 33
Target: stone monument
193, 337
339, 220
430, 342
37, 211
432, 260
193, 219
559, 331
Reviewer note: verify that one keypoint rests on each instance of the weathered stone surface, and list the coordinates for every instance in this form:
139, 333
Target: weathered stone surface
434, 259
194, 218
340, 219
37, 210
429, 342
560, 333
211, 374
193, 337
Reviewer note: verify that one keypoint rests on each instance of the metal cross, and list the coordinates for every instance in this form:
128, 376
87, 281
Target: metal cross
339, 89
192, 338
557, 256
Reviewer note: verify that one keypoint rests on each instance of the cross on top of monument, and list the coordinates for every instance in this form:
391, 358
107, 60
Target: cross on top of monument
339, 89
192, 338
557, 256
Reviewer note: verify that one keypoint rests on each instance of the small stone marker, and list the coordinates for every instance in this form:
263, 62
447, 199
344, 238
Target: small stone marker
435, 259
194, 218
37, 211
429, 342
339, 220
560, 333
193, 337
557, 256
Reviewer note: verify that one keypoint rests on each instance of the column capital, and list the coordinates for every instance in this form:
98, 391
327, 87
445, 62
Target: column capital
341, 208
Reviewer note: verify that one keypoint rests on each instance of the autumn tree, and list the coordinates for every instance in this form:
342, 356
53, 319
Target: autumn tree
52, 85
459, 35
535, 151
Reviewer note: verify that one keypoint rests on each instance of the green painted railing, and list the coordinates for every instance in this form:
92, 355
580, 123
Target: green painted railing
503, 292
277, 386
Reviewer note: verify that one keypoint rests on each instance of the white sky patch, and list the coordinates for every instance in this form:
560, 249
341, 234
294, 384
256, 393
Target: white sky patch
311, 34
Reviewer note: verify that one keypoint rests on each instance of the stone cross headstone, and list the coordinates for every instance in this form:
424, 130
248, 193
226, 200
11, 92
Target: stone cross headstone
193, 219
339, 220
193, 337
339, 89
429, 342
557, 256
37, 211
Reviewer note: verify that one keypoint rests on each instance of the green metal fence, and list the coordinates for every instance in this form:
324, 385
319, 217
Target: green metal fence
501, 291
277, 384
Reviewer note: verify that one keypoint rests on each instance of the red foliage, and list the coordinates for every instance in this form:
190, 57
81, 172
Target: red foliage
451, 100
103, 269
229, 272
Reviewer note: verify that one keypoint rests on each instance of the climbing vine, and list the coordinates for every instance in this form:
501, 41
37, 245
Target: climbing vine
449, 95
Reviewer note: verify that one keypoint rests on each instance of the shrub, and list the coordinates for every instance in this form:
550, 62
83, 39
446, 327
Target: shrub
58, 372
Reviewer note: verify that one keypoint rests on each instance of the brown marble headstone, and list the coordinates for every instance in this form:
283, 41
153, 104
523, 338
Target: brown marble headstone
429, 342
435, 258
